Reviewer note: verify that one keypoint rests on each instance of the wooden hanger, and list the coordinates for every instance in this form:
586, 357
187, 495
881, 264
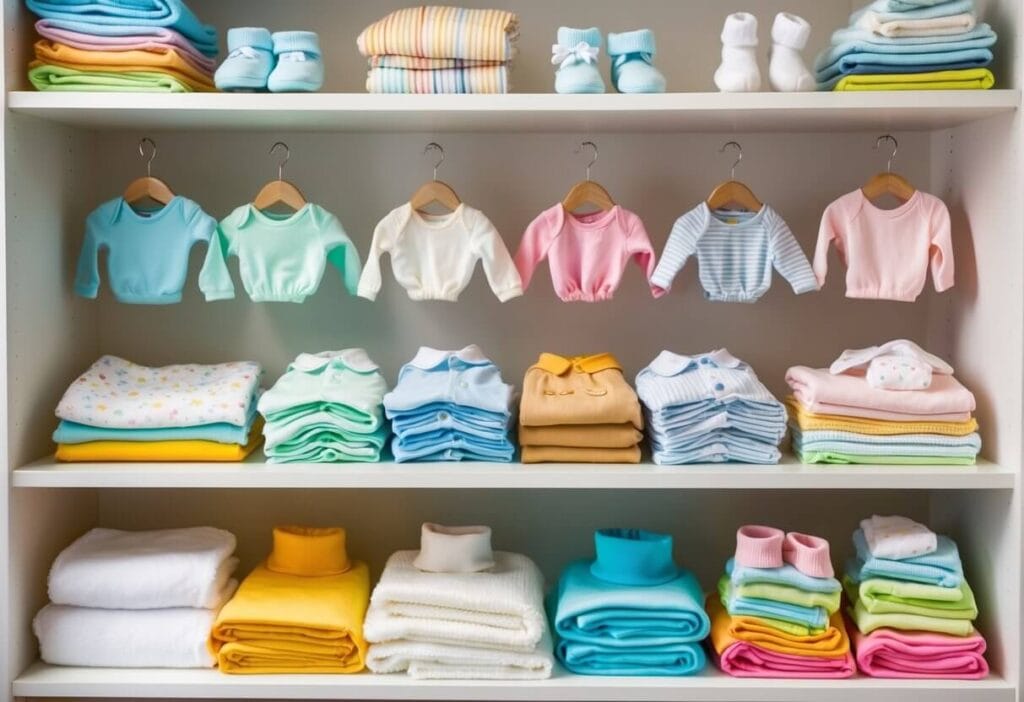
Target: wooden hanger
148, 188
888, 183
435, 191
588, 192
280, 191
733, 192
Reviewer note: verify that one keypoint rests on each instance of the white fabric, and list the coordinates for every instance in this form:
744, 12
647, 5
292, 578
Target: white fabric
113, 569
500, 608
445, 549
582, 52
930, 27
121, 638
434, 661
787, 71
897, 537
296, 56
428, 358
898, 373
738, 72
859, 359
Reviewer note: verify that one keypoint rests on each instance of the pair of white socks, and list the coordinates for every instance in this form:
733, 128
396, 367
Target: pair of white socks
787, 72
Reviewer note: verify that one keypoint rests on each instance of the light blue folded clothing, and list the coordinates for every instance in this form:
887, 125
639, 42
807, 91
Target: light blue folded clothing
656, 661
811, 617
842, 58
906, 445
298, 417
667, 441
719, 453
786, 575
208, 48
865, 38
323, 432
445, 416
894, 10
449, 445
221, 433
942, 567
767, 430
871, 69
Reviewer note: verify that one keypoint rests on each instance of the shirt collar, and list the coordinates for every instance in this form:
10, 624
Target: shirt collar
559, 365
354, 359
669, 364
429, 359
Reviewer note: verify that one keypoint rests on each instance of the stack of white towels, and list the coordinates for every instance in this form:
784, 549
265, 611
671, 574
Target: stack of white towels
455, 609
147, 599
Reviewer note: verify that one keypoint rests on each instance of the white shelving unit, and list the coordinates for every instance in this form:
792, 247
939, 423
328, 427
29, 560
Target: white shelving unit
511, 156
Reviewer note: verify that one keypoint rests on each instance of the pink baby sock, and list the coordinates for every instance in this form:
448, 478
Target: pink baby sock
808, 554
759, 546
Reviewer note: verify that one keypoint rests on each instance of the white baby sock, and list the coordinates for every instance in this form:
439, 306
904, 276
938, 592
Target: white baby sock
786, 71
739, 72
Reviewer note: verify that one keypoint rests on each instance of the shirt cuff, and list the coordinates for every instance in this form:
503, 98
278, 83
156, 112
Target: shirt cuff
215, 295
811, 286
367, 293
506, 295
88, 292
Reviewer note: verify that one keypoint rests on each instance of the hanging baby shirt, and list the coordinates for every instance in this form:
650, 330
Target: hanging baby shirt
887, 252
281, 259
147, 252
736, 252
433, 256
587, 253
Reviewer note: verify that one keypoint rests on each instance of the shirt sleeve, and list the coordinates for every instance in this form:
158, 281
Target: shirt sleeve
537, 240
941, 249
496, 261
789, 259
682, 243
215, 278
828, 232
87, 274
341, 252
383, 236
639, 248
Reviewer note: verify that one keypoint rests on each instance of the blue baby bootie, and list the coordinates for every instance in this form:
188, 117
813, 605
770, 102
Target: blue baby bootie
575, 54
632, 70
300, 66
250, 59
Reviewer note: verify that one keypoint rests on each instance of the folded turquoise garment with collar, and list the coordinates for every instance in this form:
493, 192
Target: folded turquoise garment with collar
662, 661
941, 567
893, 10
786, 575
811, 617
221, 433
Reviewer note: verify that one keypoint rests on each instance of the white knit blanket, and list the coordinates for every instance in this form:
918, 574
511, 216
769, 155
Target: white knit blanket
435, 661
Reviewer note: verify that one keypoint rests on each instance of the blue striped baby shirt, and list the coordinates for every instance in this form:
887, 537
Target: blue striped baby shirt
736, 252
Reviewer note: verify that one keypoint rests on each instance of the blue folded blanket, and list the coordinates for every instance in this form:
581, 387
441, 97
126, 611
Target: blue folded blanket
893, 10
590, 659
786, 575
905, 53
877, 42
881, 64
942, 567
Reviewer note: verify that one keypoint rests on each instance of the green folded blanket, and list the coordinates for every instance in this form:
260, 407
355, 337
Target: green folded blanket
868, 621
56, 78
842, 458
962, 79
791, 595
883, 596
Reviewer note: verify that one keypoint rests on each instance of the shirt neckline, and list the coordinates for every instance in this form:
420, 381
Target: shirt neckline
752, 219
896, 211
601, 219
437, 221
428, 358
669, 364
156, 215
291, 219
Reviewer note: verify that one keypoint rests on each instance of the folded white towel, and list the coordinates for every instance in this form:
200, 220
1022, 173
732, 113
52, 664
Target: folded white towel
930, 27
502, 607
897, 537
113, 569
435, 661
122, 638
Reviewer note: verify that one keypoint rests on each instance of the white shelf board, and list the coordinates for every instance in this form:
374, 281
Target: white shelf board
254, 473
669, 112
42, 680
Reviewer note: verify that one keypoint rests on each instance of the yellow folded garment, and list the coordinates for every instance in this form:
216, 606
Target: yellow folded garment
582, 435
809, 421
565, 454
832, 643
169, 61
961, 79
160, 451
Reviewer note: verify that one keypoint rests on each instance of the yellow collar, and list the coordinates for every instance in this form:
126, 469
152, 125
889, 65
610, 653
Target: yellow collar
560, 365
309, 551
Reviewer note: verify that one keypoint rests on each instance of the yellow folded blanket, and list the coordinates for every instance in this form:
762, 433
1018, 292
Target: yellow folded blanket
832, 643
961, 79
160, 451
809, 421
168, 61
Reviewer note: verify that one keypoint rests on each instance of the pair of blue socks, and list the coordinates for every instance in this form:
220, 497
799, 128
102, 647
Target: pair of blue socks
282, 62
632, 54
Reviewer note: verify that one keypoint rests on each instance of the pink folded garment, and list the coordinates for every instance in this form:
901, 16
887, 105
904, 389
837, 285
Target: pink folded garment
153, 39
745, 660
887, 653
946, 400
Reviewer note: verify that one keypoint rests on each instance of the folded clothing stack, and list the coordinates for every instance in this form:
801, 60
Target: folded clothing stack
301, 611
326, 408
709, 408
910, 603
776, 614
121, 46
579, 410
147, 599
120, 411
456, 609
630, 611
450, 406
432, 49
909, 45
889, 404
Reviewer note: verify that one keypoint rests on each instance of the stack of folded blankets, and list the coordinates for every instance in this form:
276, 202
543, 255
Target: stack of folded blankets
709, 408
776, 614
909, 45
326, 408
631, 610
456, 609
579, 410
146, 599
433, 49
121, 411
888, 404
450, 406
301, 611
910, 604
121, 46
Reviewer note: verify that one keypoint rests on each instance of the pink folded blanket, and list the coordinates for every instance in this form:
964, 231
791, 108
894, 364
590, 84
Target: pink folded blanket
887, 653
946, 400
744, 660
148, 39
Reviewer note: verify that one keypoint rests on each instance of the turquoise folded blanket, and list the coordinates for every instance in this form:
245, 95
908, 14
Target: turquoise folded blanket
811, 617
786, 575
893, 10
942, 567
222, 433
668, 660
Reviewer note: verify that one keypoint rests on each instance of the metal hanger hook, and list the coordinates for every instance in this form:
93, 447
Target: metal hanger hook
287, 157
152, 156
597, 153
434, 146
895, 149
739, 156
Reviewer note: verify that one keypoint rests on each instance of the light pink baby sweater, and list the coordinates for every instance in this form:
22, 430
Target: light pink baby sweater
586, 253
887, 252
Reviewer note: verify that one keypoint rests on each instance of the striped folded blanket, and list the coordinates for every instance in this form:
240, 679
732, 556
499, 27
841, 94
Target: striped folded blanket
484, 79
438, 32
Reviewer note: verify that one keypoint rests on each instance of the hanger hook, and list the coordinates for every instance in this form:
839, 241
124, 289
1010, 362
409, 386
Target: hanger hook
287, 157
593, 146
434, 146
152, 156
739, 156
895, 149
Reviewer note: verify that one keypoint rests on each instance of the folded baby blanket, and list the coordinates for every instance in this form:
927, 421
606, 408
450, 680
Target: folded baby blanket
887, 653
963, 79
882, 459
669, 659
124, 638
806, 420
854, 39
942, 567
166, 60
878, 596
926, 27
473, 80
52, 78
785, 594
897, 537
568, 454
831, 642
221, 433
785, 575
895, 10
145, 39
448, 661
866, 622
156, 451
113, 569
911, 445
443, 32
811, 617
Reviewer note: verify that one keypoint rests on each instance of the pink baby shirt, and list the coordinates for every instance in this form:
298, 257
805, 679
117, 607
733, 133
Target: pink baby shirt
887, 252
586, 253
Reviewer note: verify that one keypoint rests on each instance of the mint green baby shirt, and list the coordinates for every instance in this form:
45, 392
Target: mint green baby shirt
280, 258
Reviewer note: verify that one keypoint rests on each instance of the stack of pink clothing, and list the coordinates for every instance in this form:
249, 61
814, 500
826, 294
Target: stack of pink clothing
888, 653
